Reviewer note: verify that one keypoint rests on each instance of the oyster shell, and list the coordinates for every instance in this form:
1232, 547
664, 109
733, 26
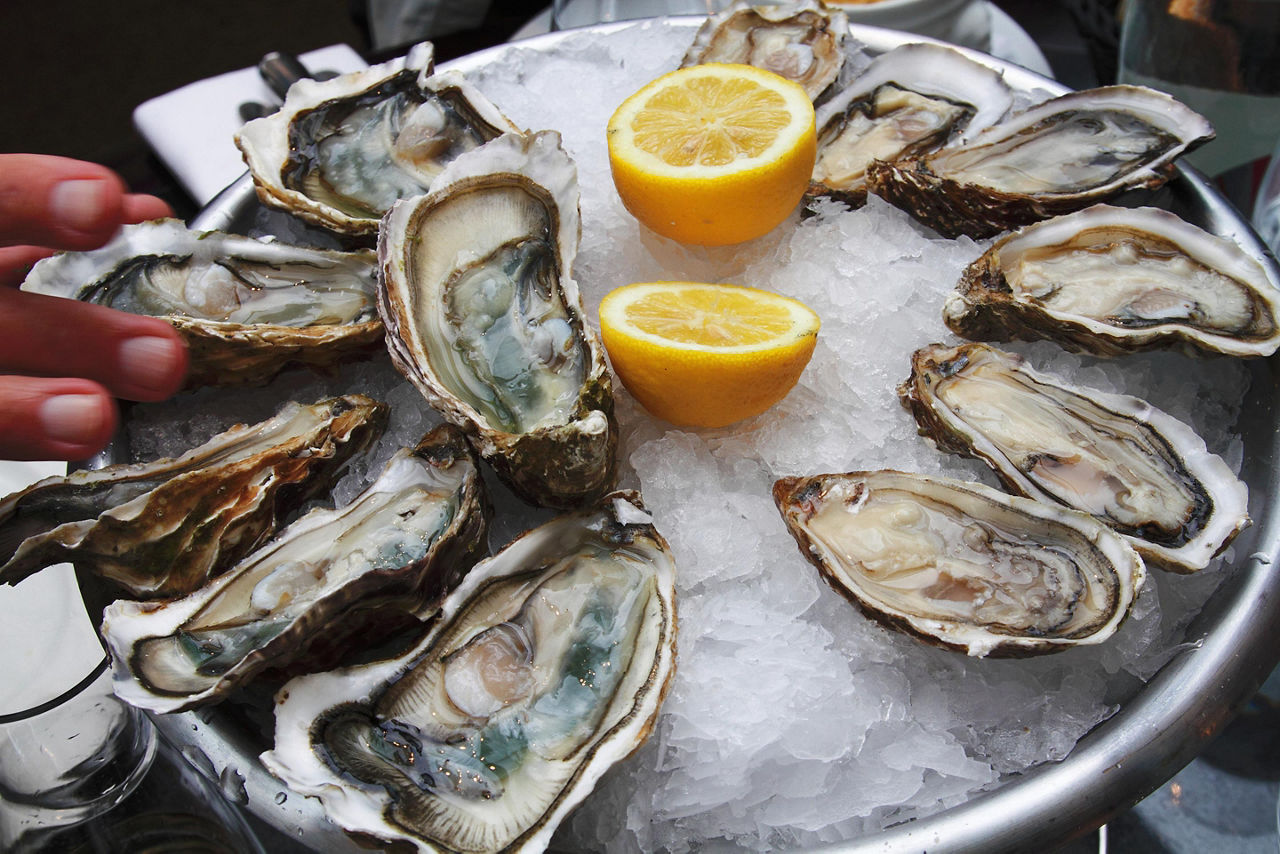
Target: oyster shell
1054, 158
400, 545
1134, 468
1110, 280
339, 152
246, 308
803, 42
913, 99
547, 666
962, 565
483, 316
163, 528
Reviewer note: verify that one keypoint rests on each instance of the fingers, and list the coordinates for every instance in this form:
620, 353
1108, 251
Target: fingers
54, 419
64, 203
133, 357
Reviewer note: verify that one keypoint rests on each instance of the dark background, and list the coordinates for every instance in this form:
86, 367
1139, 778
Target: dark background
73, 71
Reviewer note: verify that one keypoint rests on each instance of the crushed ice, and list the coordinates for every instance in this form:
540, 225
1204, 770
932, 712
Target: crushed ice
793, 720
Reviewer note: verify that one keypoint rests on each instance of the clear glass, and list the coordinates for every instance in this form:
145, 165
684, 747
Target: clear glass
90, 773
568, 14
1219, 57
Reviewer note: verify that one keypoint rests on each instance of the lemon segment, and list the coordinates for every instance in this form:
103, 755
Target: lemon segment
706, 355
713, 154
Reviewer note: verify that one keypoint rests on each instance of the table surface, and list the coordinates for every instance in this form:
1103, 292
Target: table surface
1225, 800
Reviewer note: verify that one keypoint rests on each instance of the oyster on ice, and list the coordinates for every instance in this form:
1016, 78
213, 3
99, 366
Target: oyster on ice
1134, 468
962, 565
546, 667
803, 42
339, 152
913, 99
398, 547
162, 529
245, 308
1054, 158
1110, 280
484, 318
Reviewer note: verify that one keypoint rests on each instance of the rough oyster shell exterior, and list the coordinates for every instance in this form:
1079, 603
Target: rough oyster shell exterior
503, 220
803, 42
318, 305
1134, 468
1201, 273
961, 565
331, 577
935, 191
162, 529
281, 150
577, 621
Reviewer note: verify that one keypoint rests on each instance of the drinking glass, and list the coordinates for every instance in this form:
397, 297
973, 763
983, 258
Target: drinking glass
1220, 58
87, 772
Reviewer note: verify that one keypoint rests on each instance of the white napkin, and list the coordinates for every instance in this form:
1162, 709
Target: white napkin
191, 128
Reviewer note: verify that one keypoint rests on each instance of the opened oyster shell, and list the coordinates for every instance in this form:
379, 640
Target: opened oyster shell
1134, 468
245, 308
1111, 280
339, 152
162, 529
1054, 158
911, 100
546, 666
398, 547
483, 316
803, 42
962, 565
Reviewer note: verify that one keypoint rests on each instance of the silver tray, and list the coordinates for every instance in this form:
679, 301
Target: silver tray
1229, 648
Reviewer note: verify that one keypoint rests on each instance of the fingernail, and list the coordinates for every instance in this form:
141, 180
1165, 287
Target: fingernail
75, 419
78, 204
147, 362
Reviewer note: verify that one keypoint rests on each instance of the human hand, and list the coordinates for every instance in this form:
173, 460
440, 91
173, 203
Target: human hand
62, 362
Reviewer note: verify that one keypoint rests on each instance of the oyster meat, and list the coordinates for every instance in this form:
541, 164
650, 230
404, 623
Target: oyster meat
1134, 468
162, 529
803, 42
245, 308
1054, 158
1110, 280
962, 565
399, 546
339, 152
483, 316
546, 666
911, 100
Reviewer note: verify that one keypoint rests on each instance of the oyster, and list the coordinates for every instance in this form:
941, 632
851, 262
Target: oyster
163, 528
546, 666
803, 42
339, 152
246, 308
1110, 280
400, 545
913, 99
483, 316
1054, 158
1134, 468
962, 565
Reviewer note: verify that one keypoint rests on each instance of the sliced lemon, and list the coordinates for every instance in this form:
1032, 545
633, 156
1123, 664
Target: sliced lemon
706, 355
713, 154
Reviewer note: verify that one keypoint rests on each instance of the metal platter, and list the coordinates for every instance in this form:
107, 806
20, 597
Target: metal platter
1228, 650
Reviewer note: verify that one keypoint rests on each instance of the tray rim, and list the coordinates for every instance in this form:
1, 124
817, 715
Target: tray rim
1149, 738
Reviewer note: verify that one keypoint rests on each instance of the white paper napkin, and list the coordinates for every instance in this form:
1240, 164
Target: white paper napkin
191, 128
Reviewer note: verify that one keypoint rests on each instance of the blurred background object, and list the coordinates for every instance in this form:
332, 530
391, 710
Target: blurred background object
1220, 58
